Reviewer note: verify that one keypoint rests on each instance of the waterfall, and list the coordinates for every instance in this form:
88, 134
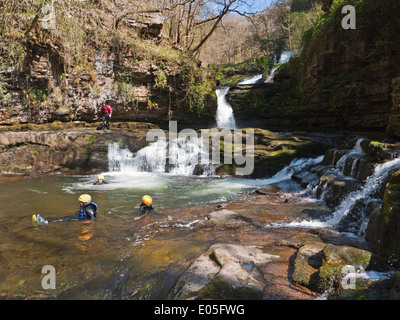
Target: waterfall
250, 81
285, 57
179, 157
225, 118
354, 155
366, 193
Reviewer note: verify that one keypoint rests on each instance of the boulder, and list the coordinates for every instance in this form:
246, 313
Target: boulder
225, 271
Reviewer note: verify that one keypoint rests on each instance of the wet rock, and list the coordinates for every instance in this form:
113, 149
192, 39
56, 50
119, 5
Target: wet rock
308, 260
268, 189
224, 219
335, 259
319, 266
386, 289
335, 189
224, 271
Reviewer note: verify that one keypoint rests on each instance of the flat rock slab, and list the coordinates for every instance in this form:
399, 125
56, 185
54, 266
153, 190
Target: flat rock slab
225, 269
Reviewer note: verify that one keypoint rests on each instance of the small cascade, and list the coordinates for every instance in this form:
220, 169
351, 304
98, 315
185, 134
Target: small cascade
347, 163
225, 118
367, 193
250, 81
349, 185
119, 159
285, 57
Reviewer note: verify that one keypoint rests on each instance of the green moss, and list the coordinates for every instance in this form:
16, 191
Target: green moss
219, 289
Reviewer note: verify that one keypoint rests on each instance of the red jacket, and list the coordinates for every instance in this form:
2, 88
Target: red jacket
106, 110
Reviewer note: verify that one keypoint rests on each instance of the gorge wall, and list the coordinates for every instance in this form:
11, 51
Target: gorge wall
64, 74
342, 79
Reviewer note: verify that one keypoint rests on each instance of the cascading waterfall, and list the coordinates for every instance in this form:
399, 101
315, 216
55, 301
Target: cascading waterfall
225, 118
355, 153
179, 156
250, 81
356, 200
285, 57
367, 192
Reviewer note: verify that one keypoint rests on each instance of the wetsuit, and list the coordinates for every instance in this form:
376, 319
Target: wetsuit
87, 212
98, 183
146, 209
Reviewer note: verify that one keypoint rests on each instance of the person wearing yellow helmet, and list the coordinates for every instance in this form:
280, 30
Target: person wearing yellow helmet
87, 211
146, 206
87, 208
100, 180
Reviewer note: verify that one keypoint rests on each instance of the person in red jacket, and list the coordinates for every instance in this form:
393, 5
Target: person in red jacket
105, 113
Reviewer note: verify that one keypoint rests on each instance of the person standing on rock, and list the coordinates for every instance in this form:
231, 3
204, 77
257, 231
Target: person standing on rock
105, 114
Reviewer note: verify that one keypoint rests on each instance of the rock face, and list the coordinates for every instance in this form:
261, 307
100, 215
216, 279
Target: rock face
382, 233
75, 149
343, 79
136, 71
272, 151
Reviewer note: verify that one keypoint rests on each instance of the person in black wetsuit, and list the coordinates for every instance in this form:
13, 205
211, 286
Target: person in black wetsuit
100, 180
87, 208
145, 207
87, 211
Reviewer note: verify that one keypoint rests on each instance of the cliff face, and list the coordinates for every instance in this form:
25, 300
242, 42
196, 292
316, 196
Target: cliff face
131, 65
343, 79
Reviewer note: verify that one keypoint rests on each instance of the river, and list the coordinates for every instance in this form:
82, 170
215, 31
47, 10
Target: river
113, 255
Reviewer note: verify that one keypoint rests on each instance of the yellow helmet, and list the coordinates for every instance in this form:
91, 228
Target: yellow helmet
100, 177
85, 198
147, 200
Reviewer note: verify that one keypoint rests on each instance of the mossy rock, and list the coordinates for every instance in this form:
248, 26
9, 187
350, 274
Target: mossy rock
383, 229
219, 289
335, 258
385, 289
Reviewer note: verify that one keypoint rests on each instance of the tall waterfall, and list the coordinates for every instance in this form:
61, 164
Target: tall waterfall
225, 118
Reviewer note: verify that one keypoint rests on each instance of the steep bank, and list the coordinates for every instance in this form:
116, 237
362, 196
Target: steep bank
101, 52
341, 80
69, 148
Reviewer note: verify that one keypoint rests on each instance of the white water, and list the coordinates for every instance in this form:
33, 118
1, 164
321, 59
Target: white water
285, 57
249, 81
225, 118
357, 151
178, 157
367, 191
